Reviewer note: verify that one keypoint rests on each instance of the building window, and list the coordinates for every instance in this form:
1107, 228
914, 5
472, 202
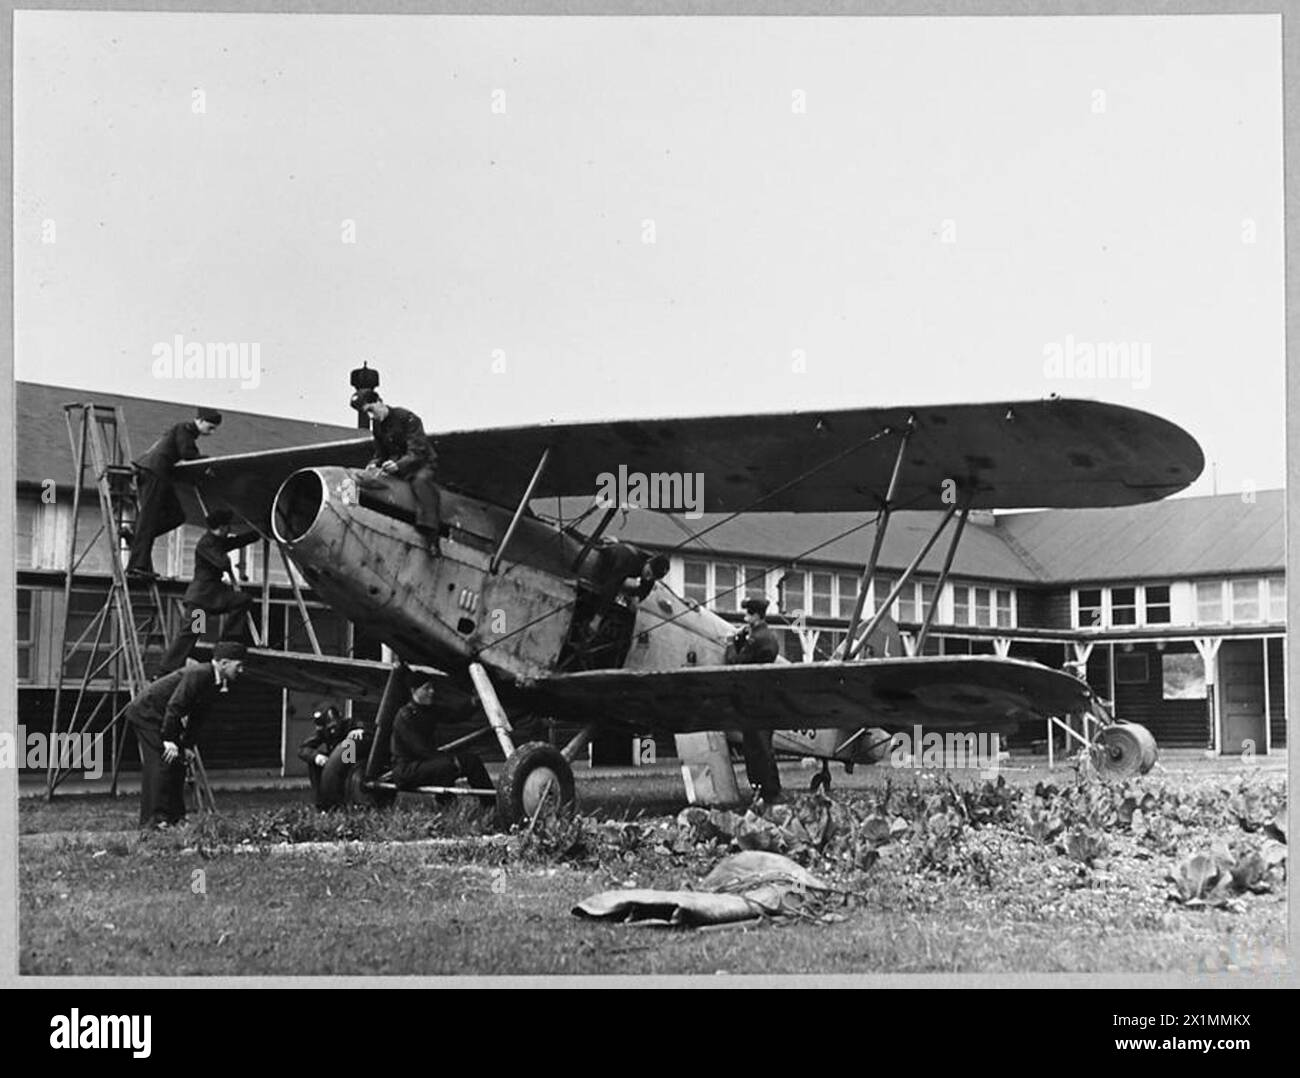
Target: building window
907, 604
755, 582
1123, 606
1276, 598
791, 593
83, 608
695, 581
848, 595
821, 594
927, 600
983, 607
26, 633
725, 594
960, 604
1245, 601
1089, 608
1209, 602
1158, 609
25, 532
1005, 619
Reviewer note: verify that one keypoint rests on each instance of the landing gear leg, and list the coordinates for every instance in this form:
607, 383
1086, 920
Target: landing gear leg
822, 780
537, 779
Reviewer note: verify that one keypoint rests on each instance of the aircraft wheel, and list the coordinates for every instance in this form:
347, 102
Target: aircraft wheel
537, 779
340, 780
1123, 750
357, 795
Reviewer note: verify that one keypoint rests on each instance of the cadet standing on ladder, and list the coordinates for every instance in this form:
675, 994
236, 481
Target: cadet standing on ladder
160, 509
167, 717
208, 591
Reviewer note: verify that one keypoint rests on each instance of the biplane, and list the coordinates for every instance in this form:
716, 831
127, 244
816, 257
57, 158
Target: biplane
497, 607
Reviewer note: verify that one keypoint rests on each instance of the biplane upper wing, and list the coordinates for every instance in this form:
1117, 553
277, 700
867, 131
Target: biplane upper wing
958, 694
1030, 454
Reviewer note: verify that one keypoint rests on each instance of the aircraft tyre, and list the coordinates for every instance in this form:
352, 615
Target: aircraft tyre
1123, 750
536, 778
340, 780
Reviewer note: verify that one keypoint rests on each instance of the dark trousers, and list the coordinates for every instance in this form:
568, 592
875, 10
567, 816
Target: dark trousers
159, 512
162, 785
428, 501
760, 763
441, 769
313, 775
232, 604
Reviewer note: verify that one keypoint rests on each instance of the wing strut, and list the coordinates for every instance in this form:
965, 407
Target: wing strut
882, 526
519, 512
853, 645
943, 577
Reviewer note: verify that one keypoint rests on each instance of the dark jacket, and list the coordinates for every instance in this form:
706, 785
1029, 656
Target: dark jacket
323, 740
185, 694
614, 564
755, 645
401, 438
211, 563
179, 443
414, 736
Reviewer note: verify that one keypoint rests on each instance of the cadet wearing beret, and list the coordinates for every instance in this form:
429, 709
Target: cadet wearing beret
160, 509
756, 643
404, 451
167, 718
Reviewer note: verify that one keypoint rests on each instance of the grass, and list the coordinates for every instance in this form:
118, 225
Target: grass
249, 897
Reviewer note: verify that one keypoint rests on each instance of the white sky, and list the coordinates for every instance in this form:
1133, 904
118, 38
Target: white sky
775, 230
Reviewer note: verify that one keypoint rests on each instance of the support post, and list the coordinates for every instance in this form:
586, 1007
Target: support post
496, 714
519, 511
878, 540
578, 742
852, 646
395, 692
266, 591
302, 605
922, 636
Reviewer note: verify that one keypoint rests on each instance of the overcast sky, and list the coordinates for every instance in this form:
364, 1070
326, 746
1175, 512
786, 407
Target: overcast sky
521, 219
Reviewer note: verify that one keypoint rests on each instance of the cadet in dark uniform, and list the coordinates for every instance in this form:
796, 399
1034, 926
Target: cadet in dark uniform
416, 759
209, 592
329, 731
404, 451
616, 564
160, 510
167, 717
756, 643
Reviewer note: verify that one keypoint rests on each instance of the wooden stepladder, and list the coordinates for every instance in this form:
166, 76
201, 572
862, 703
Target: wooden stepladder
128, 622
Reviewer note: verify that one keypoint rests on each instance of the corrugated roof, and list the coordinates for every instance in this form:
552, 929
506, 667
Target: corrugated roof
43, 450
1179, 537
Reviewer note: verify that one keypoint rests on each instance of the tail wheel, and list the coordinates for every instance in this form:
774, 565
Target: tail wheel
537, 781
1123, 750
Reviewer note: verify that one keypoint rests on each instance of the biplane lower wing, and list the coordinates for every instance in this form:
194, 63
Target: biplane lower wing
966, 693
326, 675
